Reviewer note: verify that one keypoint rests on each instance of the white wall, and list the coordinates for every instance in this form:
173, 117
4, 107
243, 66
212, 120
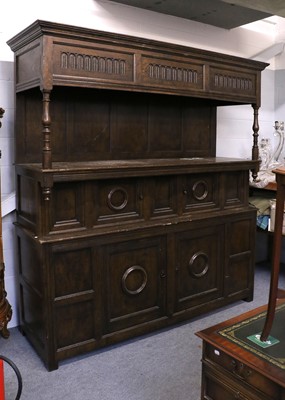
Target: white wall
234, 123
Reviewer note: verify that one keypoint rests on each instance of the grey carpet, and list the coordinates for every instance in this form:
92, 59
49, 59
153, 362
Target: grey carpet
161, 366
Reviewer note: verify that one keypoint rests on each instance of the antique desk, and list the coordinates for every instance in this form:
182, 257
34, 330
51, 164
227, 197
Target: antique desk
235, 366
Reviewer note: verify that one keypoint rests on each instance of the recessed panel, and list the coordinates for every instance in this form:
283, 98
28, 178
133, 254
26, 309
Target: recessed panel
117, 200
134, 288
74, 324
201, 192
199, 266
163, 190
67, 206
72, 272
165, 125
236, 192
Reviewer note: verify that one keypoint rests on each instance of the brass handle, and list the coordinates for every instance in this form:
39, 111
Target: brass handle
240, 370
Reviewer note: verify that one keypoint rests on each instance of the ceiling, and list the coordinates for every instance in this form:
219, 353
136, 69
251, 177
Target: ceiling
225, 14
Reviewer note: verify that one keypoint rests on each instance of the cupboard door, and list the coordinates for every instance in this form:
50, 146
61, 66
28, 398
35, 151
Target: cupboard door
199, 266
133, 282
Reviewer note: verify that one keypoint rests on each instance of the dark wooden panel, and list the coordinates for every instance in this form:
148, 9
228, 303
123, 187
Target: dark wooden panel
75, 59
29, 126
27, 57
32, 316
199, 129
27, 205
95, 125
241, 236
199, 266
234, 82
129, 129
72, 272
235, 188
164, 72
134, 283
163, 197
201, 192
30, 262
74, 324
239, 270
165, 118
67, 206
88, 126
117, 201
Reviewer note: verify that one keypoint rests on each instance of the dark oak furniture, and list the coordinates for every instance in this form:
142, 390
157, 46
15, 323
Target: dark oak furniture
126, 220
5, 308
276, 292
235, 367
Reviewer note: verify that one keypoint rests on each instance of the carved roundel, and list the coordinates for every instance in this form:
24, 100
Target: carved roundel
200, 190
199, 264
134, 280
117, 199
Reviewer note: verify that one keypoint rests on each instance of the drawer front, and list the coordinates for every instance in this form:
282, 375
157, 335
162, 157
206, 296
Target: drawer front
240, 372
115, 201
86, 204
201, 192
217, 386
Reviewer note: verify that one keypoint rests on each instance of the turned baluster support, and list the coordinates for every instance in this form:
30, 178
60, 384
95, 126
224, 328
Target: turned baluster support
255, 150
46, 155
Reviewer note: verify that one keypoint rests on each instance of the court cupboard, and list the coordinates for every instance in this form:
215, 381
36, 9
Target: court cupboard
126, 220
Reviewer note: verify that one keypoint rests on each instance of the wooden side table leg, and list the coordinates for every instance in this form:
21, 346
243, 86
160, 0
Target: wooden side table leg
277, 243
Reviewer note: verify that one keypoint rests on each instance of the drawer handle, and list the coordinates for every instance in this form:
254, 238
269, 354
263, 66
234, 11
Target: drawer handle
240, 370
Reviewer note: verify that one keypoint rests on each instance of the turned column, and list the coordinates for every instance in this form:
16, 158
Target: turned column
255, 150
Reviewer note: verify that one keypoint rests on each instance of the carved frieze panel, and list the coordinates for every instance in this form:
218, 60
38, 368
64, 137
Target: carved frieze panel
92, 63
166, 72
232, 81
